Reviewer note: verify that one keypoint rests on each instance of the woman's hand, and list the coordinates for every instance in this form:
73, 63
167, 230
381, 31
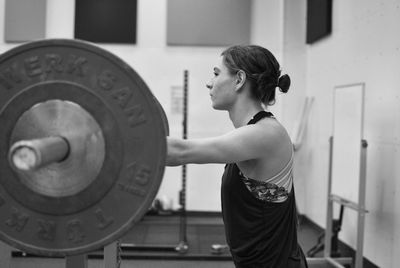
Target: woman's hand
175, 148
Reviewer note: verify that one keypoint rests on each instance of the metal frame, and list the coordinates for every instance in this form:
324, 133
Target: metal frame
358, 207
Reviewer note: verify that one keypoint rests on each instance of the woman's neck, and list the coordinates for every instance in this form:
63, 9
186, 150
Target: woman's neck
241, 113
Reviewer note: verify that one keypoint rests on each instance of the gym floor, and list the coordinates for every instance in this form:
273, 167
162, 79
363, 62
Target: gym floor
163, 231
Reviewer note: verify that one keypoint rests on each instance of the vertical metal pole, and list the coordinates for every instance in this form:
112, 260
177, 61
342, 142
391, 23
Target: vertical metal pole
77, 261
184, 136
182, 246
111, 255
361, 205
329, 209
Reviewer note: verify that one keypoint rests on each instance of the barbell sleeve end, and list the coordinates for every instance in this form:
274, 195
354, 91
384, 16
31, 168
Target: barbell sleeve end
26, 155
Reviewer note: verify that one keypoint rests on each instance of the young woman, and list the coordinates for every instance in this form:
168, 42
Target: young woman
257, 193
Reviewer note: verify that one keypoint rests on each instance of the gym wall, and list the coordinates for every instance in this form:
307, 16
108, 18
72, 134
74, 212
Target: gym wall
363, 47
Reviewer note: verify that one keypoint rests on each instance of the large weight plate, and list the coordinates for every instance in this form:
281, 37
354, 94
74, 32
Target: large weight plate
134, 131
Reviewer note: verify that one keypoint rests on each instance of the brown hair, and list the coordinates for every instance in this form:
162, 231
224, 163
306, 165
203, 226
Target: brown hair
261, 68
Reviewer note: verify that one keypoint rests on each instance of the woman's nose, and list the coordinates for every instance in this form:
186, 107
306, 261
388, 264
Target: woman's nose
209, 85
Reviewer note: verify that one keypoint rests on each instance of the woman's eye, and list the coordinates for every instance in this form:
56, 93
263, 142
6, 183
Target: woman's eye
215, 74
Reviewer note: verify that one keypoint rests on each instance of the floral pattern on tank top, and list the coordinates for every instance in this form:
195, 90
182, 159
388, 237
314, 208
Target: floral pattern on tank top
265, 191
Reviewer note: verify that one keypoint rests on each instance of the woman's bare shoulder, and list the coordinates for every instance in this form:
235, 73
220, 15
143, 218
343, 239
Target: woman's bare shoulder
274, 131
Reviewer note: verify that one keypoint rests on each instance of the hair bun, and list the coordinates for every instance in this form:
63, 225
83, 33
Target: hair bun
284, 83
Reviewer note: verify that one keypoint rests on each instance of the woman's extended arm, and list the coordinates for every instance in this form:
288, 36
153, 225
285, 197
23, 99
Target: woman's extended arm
248, 142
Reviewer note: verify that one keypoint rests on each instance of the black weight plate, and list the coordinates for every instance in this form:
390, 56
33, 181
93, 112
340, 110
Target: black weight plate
134, 133
164, 117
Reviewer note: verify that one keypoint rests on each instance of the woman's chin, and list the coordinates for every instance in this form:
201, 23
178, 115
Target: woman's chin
218, 106
215, 107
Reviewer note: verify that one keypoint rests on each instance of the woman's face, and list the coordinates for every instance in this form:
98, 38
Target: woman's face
222, 87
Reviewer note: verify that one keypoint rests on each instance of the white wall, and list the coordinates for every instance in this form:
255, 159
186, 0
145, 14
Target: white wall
267, 30
295, 62
162, 68
364, 47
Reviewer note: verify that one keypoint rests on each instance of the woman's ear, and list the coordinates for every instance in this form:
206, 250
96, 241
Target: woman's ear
240, 79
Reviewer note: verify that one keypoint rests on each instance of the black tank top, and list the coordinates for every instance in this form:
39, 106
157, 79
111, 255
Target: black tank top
259, 234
